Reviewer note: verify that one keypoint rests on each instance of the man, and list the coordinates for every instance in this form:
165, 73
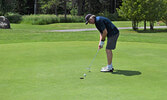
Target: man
106, 29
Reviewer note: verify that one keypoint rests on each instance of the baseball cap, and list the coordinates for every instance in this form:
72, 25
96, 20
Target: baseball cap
87, 18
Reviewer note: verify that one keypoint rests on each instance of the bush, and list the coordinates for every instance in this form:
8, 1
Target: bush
40, 19
14, 17
49, 19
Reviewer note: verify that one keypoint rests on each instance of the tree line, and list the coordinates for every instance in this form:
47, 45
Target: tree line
76, 7
134, 10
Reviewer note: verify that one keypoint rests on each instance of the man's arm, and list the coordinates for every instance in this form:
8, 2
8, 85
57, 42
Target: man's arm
102, 38
104, 34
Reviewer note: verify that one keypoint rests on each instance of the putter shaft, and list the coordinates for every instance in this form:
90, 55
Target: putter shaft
93, 60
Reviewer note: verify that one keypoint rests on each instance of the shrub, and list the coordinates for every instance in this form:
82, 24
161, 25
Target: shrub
49, 19
14, 17
40, 19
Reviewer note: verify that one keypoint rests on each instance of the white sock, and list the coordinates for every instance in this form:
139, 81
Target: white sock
109, 66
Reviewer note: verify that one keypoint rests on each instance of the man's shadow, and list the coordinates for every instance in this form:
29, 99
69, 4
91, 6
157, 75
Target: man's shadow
126, 72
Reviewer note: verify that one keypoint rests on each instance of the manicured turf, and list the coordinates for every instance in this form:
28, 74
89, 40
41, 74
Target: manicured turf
37, 65
52, 70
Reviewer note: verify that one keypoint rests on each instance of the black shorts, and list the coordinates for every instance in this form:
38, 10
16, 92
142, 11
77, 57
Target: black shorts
112, 41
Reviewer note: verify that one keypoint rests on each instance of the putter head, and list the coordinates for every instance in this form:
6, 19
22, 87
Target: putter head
88, 69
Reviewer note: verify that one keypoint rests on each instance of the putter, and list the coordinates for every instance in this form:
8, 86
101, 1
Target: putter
89, 68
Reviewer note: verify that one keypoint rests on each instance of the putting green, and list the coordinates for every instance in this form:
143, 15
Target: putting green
52, 71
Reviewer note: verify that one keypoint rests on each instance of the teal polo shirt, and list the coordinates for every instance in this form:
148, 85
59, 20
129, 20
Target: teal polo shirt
102, 23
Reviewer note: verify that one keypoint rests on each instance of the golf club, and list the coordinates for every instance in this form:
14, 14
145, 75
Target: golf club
89, 68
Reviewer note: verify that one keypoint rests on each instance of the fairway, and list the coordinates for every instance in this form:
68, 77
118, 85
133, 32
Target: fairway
51, 71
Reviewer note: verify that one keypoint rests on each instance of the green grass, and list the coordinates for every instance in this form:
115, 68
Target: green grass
38, 65
37, 33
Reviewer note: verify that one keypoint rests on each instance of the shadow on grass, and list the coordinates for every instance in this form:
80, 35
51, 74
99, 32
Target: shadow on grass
152, 31
126, 72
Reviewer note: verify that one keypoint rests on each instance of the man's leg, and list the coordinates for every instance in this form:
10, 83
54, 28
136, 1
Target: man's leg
109, 56
109, 67
111, 44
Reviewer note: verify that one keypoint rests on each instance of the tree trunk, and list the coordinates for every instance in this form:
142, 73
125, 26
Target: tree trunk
81, 4
73, 3
35, 7
83, 7
89, 5
145, 25
134, 25
79, 7
65, 10
56, 10
151, 25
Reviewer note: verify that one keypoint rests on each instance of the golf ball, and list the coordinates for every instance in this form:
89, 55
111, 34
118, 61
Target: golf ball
84, 75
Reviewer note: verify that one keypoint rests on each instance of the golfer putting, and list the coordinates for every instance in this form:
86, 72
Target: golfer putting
106, 29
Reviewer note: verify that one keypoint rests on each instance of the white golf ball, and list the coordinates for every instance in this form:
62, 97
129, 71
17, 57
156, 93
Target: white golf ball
84, 75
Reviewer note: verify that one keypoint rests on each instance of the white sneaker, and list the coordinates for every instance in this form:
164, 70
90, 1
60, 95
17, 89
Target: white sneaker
106, 69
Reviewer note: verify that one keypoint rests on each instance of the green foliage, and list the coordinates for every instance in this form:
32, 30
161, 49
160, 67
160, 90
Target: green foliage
164, 16
48, 6
155, 10
74, 11
40, 19
7, 6
131, 9
14, 17
49, 19
139, 10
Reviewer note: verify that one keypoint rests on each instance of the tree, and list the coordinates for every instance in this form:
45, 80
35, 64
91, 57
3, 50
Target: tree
50, 4
53, 4
109, 5
155, 11
65, 9
164, 16
35, 6
92, 6
81, 4
20, 6
139, 10
131, 9
7, 6
73, 10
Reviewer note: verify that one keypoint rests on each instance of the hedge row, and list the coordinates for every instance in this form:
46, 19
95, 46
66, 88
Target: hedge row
49, 19
43, 19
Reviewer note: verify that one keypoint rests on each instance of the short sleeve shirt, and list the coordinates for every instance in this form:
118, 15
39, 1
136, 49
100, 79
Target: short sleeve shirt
102, 23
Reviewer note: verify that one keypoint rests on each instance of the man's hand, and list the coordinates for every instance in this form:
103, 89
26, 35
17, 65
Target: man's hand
101, 44
102, 38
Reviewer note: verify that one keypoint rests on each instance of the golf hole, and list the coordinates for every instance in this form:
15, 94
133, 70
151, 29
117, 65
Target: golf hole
81, 78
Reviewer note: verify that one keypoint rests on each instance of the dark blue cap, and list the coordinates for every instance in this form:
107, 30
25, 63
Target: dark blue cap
87, 18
